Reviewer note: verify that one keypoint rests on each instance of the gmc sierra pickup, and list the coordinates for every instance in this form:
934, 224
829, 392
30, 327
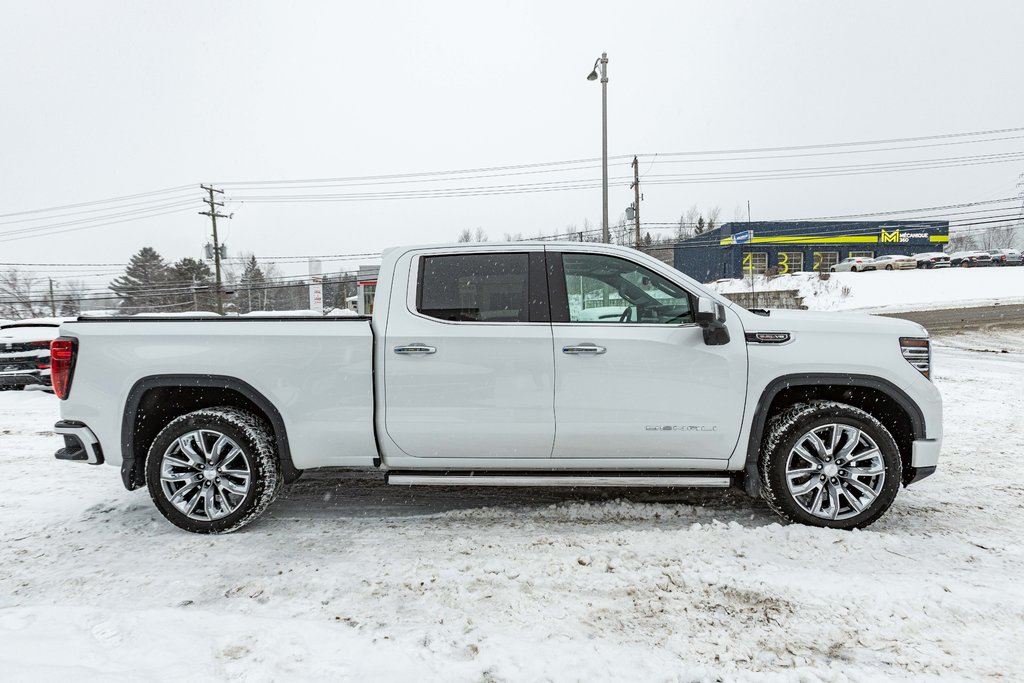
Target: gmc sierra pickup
524, 364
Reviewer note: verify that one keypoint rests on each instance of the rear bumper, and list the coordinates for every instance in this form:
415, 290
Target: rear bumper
80, 444
21, 379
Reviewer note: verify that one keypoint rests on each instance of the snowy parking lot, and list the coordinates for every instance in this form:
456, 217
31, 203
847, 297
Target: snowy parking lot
348, 579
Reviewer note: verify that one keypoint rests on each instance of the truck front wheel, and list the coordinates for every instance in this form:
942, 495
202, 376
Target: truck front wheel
213, 470
829, 464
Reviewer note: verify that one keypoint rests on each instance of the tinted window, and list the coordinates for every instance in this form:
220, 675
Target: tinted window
475, 287
606, 289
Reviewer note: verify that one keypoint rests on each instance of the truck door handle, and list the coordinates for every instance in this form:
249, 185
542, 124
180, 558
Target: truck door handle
584, 349
415, 349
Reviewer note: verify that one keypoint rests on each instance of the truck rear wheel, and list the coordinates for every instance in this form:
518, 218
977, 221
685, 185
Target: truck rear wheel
830, 465
213, 470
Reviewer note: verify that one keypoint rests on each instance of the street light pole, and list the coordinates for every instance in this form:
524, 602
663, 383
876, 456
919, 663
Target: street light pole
602, 61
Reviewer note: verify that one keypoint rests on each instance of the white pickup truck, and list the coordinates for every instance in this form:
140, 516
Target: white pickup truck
524, 364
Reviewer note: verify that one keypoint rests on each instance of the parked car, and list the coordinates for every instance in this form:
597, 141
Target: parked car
1005, 257
932, 259
853, 264
895, 262
452, 382
25, 352
970, 259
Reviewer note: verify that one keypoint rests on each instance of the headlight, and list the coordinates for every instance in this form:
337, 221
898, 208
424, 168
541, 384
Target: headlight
918, 353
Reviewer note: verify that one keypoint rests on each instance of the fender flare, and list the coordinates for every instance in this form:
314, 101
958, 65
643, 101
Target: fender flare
752, 475
131, 473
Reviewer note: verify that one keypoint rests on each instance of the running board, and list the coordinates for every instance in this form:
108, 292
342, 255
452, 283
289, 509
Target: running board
563, 480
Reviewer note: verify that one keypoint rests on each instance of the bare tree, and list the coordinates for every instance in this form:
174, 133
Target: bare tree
21, 295
467, 235
72, 295
739, 213
963, 241
713, 215
998, 237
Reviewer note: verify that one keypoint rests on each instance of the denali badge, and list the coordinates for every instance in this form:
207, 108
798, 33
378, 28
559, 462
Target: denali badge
767, 337
681, 428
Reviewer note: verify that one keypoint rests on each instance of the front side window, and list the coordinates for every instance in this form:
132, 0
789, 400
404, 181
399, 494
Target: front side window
475, 287
605, 289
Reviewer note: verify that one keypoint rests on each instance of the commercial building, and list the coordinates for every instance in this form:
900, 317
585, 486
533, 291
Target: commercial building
737, 249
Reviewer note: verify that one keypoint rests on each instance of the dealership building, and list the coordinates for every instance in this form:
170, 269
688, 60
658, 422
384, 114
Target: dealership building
737, 249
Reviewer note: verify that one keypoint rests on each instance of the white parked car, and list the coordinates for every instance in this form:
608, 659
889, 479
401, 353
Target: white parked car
854, 264
476, 370
1005, 257
895, 262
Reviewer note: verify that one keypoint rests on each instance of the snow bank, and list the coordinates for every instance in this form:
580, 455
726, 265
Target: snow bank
895, 290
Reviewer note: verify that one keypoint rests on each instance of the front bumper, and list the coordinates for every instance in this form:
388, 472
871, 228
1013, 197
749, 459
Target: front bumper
923, 460
80, 444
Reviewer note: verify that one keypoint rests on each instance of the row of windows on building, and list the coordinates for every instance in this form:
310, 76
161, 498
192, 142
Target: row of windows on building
756, 262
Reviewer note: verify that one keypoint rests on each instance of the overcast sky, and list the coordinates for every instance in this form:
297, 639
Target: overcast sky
111, 99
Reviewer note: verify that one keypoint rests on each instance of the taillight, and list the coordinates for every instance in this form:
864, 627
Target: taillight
918, 353
62, 364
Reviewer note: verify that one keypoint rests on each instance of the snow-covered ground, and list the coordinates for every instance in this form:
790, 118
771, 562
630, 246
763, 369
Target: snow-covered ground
347, 579
895, 290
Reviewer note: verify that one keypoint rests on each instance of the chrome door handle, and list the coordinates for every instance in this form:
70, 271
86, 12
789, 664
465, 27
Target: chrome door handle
584, 349
415, 350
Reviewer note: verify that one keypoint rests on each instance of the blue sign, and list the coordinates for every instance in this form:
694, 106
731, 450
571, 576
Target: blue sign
743, 237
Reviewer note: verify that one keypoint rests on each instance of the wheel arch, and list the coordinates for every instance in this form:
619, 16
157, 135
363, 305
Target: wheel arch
157, 399
876, 396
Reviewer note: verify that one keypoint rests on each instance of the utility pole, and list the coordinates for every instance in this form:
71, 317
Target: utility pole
53, 303
636, 200
212, 213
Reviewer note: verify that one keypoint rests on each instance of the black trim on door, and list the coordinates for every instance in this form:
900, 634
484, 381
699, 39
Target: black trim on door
537, 289
558, 295
133, 469
753, 477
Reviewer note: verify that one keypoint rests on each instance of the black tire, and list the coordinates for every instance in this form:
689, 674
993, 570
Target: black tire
258, 449
889, 267
790, 426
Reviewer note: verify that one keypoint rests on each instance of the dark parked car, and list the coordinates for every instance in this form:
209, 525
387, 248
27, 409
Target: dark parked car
932, 259
1005, 257
970, 259
25, 352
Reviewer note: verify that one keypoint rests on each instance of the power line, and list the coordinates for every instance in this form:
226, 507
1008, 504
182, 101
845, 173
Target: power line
97, 201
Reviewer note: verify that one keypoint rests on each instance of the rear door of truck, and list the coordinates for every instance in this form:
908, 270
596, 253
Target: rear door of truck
469, 367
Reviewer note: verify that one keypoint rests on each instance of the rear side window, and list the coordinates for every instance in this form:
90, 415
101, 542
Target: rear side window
475, 288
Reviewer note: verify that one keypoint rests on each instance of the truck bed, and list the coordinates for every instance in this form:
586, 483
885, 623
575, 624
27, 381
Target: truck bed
316, 372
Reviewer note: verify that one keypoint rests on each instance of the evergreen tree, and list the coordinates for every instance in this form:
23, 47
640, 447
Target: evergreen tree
252, 288
192, 286
144, 285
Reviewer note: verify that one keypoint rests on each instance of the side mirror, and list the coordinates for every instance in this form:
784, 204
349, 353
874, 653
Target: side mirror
711, 318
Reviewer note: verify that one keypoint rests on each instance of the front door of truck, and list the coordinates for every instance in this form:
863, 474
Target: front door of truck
469, 368
633, 376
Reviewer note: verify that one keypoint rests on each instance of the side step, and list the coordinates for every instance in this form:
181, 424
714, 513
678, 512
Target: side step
400, 478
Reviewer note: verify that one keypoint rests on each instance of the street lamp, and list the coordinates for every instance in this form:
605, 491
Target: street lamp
602, 62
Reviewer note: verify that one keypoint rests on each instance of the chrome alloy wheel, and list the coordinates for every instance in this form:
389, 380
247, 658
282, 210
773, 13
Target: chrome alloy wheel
205, 474
835, 471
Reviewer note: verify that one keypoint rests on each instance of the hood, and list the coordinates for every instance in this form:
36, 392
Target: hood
783, 320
